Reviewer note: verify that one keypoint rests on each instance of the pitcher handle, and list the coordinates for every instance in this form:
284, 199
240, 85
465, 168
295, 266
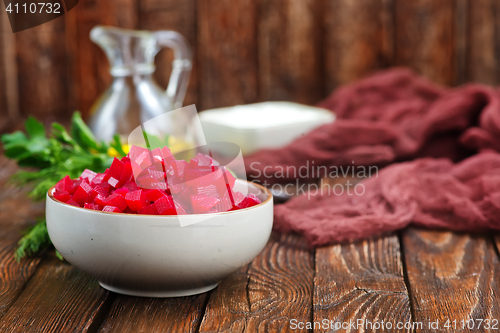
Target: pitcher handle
181, 66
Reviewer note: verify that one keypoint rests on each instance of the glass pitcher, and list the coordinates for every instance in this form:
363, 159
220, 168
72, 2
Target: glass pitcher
134, 97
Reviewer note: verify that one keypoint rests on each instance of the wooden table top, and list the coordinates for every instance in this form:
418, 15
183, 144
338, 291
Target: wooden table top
413, 278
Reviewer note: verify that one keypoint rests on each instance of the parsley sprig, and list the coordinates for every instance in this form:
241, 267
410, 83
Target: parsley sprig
50, 158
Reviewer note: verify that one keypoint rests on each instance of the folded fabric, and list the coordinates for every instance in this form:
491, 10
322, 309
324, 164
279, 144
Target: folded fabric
428, 192
391, 116
388, 118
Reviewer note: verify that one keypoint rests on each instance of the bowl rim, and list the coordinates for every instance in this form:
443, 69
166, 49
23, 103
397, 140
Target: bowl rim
262, 188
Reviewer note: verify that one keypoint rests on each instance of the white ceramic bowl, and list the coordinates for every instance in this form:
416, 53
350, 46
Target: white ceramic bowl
153, 256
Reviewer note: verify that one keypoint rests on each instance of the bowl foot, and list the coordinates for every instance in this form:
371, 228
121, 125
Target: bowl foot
159, 293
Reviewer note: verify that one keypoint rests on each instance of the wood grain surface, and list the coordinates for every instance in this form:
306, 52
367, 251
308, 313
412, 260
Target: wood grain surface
358, 39
251, 50
15, 214
424, 38
227, 52
361, 282
276, 289
430, 276
138, 314
228, 306
58, 298
42, 72
452, 277
280, 285
484, 39
13, 275
289, 51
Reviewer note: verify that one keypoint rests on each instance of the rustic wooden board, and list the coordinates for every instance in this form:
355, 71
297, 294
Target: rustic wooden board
276, 288
58, 298
484, 39
134, 314
43, 79
461, 40
9, 102
174, 15
15, 213
228, 306
358, 39
15, 208
13, 275
360, 281
289, 47
280, 285
227, 52
4, 111
451, 276
425, 38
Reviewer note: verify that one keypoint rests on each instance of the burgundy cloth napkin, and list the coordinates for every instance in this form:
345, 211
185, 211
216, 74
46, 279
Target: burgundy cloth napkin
390, 117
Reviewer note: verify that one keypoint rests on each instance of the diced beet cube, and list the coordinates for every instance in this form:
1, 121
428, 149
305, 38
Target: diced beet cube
101, 189
237, 197
203, 160
97, 179
165, 206
64, 184
151, 178
210, 190
74, 186
136, 170
149, 210
99, 193
224, 205
137, 200
100, 200
180, 168
167, 155
92, 206
106, 176
113, 182
201, 203
122, 191
199, 172
126, 173
179, 209
156, 173
175, 184
73, 203
62, 196
154, 194
225, 180
129, 211
131, 186
112, 209
143, 160
115, 200
89, 174
249, 201
116, 168
82, 193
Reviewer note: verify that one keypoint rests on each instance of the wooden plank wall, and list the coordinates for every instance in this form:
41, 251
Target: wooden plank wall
251, 50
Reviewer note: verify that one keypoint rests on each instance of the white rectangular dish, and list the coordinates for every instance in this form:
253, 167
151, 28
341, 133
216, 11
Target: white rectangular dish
262, 125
